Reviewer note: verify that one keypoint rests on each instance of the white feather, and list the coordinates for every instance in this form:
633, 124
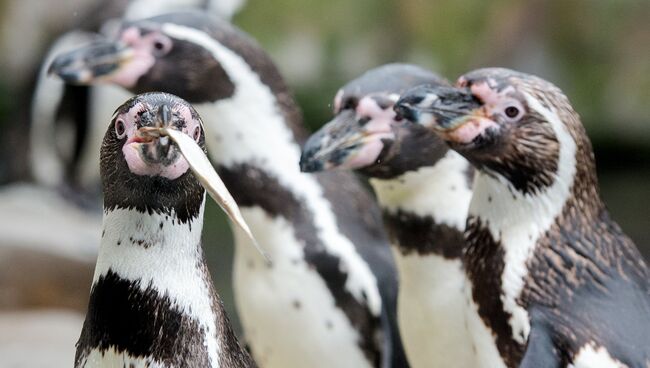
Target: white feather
592, 356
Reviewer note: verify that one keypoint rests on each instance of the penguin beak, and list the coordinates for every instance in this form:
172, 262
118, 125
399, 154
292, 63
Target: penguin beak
157, 148
164, 118
455, 114
92, 62
439, 108
346, 142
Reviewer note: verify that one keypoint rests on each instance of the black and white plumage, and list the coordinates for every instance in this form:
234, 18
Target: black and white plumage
555, 280
424, 189
76, 115
328, 298
152, 301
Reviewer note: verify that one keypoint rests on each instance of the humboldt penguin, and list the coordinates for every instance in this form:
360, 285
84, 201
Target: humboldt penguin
75, 115
424, 189
328, 296
152, 301
554, 278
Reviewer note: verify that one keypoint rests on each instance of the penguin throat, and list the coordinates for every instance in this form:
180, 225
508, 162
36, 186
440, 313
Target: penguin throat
514, 221
442, 191
160, 258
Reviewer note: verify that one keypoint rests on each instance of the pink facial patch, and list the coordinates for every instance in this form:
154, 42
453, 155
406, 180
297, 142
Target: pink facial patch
367, 155
139, 62
471, 129
381, 120
485, 93
138, 166
134, 144
377, 128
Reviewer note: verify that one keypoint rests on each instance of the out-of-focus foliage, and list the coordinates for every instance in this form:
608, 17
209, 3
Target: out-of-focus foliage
597, 51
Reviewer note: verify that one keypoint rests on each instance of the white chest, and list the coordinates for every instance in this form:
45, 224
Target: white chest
289, 316
431, 312
113, 359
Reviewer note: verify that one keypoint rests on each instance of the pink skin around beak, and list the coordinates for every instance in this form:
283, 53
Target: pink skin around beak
136, 142
378, 128
477, 123
139, 61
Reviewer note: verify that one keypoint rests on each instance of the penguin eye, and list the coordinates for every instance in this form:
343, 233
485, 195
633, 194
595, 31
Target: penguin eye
161, 45
120, 129
197, 133
511, 112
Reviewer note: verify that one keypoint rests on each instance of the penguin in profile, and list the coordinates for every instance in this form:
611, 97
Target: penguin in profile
152, 301
424, 189
75, 114
554, 279
328, 297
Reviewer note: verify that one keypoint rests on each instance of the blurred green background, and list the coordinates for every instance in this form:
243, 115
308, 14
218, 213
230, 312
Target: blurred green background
597, 51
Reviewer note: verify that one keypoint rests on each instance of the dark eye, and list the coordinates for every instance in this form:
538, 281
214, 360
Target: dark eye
161, 45
512, 112
120, 129
197, 133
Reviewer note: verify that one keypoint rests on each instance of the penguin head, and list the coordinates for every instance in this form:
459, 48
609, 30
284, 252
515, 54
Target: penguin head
367, 135
137, 166
505, 122
164, 53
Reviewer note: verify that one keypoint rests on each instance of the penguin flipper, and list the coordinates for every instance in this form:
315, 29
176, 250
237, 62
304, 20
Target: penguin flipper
540, 351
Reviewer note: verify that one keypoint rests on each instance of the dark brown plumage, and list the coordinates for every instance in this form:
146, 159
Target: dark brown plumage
554, 277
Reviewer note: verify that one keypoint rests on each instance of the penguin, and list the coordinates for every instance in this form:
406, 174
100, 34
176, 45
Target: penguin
152, 301
328, 297
424, 189
75, 114
554, 279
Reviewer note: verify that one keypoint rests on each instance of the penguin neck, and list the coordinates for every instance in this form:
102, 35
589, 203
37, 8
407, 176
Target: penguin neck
139, 245
152, 264
430, 200
259, 124
505, 226
253, 137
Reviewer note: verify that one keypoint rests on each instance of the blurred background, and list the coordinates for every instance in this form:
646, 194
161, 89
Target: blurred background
597, 51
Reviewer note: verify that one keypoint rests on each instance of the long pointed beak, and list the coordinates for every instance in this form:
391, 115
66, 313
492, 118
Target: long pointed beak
440, 107
94, 61
343, 143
